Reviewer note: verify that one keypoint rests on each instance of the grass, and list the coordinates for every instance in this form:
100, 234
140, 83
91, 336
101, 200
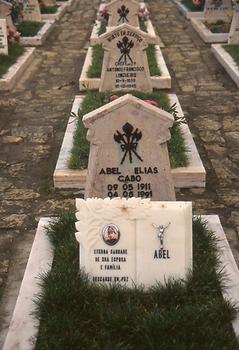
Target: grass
93, 100
183, 315
218, 27
102, 29
142, 26
49, 10
95, 68
29, 28
233, 50
6, 61
191, 7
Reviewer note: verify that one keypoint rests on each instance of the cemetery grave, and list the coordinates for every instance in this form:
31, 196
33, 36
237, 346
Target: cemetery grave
214, 26
133, 262
190, 8
14, 59
228, 54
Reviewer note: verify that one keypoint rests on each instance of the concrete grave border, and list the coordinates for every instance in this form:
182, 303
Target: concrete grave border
187, 13
226, 61
158, 82
63, 7
8, 80
205, 34
41, 36
23, 328
191, 176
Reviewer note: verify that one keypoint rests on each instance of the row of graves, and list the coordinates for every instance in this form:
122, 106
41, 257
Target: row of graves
132, 263
24, 23
217, 23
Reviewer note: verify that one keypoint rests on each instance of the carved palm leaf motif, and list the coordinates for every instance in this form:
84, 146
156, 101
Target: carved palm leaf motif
128, 141
123, 13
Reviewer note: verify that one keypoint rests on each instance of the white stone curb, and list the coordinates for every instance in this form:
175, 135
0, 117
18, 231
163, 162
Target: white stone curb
186, 13
63, 7
158, 82
8, 80
226, 61
205, 34
193, 175
231, 292
41, 36
23, 328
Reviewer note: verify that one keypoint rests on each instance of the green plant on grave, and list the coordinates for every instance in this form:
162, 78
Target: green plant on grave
6, 61
233, 50
29, 28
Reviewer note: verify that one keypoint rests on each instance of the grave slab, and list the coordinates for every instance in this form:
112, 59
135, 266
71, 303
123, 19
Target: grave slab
5, 12
123, 11
31, 11
205, 34
8, 80
21, 341
191, 176
115, 248
233, 37
215, 10
187, 13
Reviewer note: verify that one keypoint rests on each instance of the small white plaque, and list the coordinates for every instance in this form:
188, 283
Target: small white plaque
134, 241
3, 37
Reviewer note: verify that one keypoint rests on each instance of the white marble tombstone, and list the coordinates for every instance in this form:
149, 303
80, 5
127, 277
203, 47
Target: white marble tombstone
3, 37
218, 10
134, 241
123, 11
125, 64
233, 37
128, 151
5, 12
31, 11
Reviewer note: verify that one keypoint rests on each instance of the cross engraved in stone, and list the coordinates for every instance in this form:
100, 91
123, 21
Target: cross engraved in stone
128, 141
123, 12
160, 232
125, 47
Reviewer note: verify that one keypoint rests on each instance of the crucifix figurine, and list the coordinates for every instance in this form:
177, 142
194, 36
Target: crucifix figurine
160, 232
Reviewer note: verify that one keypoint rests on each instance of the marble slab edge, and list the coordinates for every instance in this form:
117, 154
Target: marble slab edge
158, 82
23, 329
41, 36
14, 73
191, 176
226, 61
59, 13
205, 34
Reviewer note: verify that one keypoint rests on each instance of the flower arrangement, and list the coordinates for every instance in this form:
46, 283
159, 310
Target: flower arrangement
143, 14
42, 4
13, 36
104, 13
197, 3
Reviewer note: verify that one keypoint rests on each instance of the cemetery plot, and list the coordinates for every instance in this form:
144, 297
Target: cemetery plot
55, 12
215, 24
188, 9
14, 59
28, 39
206, 302
228, 54
160, 78
188, 175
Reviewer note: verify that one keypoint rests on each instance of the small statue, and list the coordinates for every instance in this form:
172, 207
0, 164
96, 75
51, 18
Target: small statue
161, 230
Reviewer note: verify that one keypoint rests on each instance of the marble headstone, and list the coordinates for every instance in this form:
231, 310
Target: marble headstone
31, 11
134, 241
123, 11
3, 37
218, 10
128, 151
5, 12
125, 64
233, 37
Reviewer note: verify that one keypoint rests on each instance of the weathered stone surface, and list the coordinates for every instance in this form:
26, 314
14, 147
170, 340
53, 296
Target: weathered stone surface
3, 36
11, 139
218, 10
